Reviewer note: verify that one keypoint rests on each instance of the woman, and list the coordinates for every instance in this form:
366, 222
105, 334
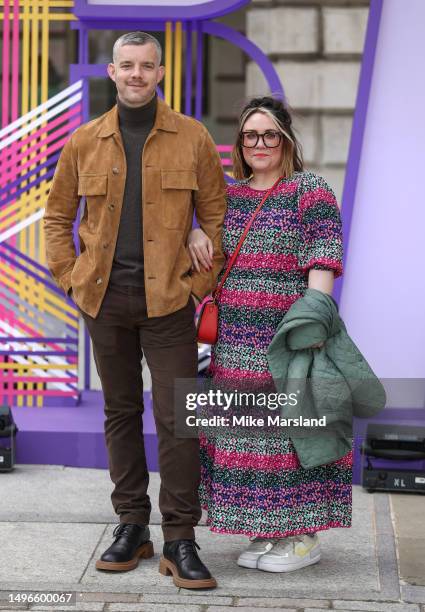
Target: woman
255, 485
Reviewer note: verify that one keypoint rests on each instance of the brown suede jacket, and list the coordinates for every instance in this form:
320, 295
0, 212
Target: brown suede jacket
181, 173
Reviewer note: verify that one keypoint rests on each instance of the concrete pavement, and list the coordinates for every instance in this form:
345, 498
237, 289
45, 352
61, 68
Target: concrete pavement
56, 521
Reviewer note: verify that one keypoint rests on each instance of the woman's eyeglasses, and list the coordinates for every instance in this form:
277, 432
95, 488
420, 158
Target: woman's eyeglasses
271, 139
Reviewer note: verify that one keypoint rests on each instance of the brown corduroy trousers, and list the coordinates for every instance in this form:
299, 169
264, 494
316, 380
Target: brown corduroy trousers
121, 334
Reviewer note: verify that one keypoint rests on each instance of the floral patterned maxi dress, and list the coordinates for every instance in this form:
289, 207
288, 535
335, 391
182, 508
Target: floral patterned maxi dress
256, 485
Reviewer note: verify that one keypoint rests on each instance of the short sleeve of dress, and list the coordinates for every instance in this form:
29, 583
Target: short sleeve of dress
321, 227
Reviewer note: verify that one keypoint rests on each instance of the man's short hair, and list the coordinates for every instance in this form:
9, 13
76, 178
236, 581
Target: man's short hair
136, 38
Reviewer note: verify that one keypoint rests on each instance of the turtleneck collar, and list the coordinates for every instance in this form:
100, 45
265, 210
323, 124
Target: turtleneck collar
138, 115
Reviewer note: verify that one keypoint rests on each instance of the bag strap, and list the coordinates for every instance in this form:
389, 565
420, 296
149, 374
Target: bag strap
241, 240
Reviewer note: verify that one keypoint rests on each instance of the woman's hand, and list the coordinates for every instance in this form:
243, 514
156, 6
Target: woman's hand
200, 249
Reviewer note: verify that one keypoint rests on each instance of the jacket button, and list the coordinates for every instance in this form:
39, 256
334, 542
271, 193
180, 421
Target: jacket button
115, 170
111, 206
98, 281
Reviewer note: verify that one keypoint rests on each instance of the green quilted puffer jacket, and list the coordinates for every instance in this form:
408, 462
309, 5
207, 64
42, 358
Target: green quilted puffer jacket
334, 381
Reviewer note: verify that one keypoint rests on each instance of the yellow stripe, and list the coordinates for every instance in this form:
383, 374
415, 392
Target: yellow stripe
37, 366
178, 67
20, 398
52, 17
44, 98
39, 398
168, 61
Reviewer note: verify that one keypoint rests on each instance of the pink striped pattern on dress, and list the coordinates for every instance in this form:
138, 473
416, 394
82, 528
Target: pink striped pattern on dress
257, 298
254, 261
235, 459
311, 198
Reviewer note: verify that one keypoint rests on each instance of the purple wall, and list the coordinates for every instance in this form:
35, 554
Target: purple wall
383, 293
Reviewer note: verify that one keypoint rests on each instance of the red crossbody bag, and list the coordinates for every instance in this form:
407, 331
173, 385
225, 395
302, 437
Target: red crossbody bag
207, 330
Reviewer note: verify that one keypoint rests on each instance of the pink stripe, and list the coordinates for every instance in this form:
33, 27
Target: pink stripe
238, 375
259, 299
266, 260
15, 61
50, 379
43, 392
235, 459
52, 136
332, 264
245, 191
15, 81
6, 62
310, 198
226, 162
276, 534
224, 148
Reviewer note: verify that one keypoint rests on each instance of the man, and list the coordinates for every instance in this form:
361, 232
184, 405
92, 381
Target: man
142, 169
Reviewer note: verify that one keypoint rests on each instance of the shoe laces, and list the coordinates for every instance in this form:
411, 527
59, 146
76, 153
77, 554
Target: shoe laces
290, 540
187, 547
122, 529
256, 541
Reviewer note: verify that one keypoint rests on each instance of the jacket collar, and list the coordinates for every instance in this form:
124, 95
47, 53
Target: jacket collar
164, 120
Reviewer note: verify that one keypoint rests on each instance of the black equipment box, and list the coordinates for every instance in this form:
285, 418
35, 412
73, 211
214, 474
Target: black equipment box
8, 432
393, 458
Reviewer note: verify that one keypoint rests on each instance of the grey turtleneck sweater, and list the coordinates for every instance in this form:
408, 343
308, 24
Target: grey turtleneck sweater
135, 125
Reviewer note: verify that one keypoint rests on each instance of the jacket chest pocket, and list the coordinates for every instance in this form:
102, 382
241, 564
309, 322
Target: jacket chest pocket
94, 188
177, 187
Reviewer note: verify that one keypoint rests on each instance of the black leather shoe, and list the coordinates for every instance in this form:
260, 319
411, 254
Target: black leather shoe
131, 543
180, 559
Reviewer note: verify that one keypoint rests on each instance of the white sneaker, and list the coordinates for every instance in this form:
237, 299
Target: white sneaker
257, 548
291, 554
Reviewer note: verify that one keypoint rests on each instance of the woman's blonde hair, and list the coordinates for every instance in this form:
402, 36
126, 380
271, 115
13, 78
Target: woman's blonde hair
291, 150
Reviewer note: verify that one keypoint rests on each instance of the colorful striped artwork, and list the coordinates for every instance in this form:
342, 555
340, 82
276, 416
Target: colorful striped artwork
38, 326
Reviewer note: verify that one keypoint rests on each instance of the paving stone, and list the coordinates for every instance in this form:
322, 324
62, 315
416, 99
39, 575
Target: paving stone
276, 602
320, 610
206, 599
53, 493
248, 609
89, 606
116, 607
373, 606
414, 594
59, 552
407, 512
109, 597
